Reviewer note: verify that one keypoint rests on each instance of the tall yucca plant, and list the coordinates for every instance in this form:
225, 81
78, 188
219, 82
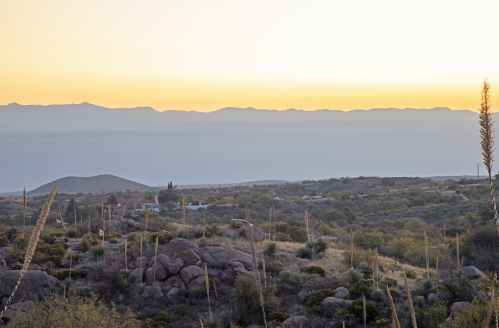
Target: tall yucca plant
33, 241
24, 212
487, 141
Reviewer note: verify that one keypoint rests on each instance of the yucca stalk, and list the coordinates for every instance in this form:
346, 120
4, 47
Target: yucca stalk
74, 210
109, 212
377, 270
70, 262
24, 206
426, 254
264, 272
207, 283
392, 308
201, 323
122, 217
258, 284
364, 308
341, 242
351, 249
457, 250
487, 142
103, 224
270, 222
306, 224
437, 277
215, 289
140, 263
409, 301
343, 324
155, 261
33, 241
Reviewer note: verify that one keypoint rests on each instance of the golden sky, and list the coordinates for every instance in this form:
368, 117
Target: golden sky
205, 55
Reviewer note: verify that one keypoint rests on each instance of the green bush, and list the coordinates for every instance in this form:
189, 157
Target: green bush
97, 251
160, 320
378, 295
271, 249
390, 282
72, 234
357, 309
113, 241
164, 237
410, 274
304, 253
316, 269
199, 234
353, 276
275, 267
394, 293
317, 297
3, 240
277, 316
11, 232
64, 274
84, 246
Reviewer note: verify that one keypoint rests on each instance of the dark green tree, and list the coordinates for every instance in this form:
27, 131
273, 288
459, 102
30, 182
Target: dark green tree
112, 200
70, 211
169, 195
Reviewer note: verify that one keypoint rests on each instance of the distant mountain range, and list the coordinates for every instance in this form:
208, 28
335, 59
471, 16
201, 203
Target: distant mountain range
43, 143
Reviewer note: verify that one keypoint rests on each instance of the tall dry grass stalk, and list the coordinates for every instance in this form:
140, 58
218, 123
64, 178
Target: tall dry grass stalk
377, 270
215, 289
109, 212
270, 222
207, 283
351, 249
70, 262
457, 250
201, 321
437, 278
24, 212
103, 223
204, 220
487, 142
126, 259
184, 201
264, 272
341, 242
258, 284
74, 210
343, 324
122, 217
33, 241
392, 308
409, 301
155, 261
364, 308
140, 263
147, 217
486, 323
426, 254
306, 224
62, 220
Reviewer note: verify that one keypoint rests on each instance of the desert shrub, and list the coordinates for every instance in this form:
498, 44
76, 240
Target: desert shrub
304, 253
289, 282
317, 297
58, 234
113, 241
316, 269
321, 245
277, 316
275, 267
353, 276
248, 300
419, 302
72, 234
357, 309
390, 282
164, 237
97, 251
366, 270
377, 295
435, 314
48, 239
410, 274
84, 246
11, 232
73, 311
160, 320
3, 240
394, 293
199, 234
298, 234
64, 274
271, 249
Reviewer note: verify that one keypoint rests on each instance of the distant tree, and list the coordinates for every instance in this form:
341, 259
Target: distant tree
169, 195
34, 217
112, 200
388, 182
70, 211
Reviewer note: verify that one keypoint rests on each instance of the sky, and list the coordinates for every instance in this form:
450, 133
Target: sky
280, 54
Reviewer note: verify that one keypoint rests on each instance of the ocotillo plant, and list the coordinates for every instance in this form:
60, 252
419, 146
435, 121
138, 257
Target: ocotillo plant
109, 212
437, 277
103, 223
24, 207
270, 222
392, 307
62, 220
487, 142
147, 216
33, 241
74, 210
457, 250
364, 308
126, 260
409, 301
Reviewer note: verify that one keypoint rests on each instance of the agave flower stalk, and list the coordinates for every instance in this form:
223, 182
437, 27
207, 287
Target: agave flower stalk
33, 241
487, 142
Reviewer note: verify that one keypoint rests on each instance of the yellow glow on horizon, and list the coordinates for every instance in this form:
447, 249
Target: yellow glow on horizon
203, 56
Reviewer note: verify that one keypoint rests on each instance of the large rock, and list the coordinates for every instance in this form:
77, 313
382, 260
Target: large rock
299, 262
237, 223
185, 250
296, 321
230, 232
193, 276
341, 292
255, 232
34, 286
302, 295
160, 274
139, 273
472, 273
174, 282
336, 301
173, 293
222, 258
172, 266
